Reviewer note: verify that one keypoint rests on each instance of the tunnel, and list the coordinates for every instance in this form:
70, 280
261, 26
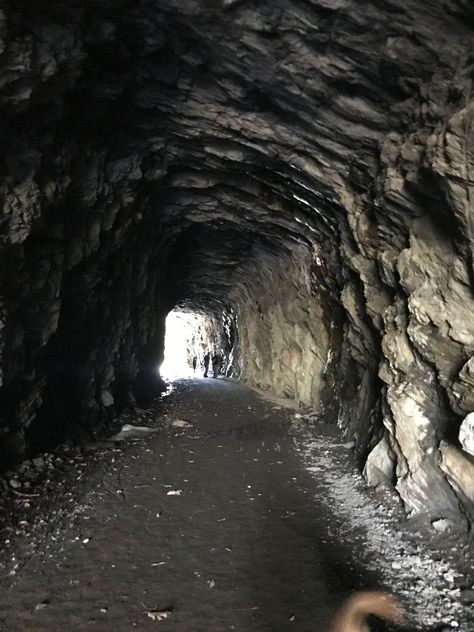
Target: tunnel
297, 175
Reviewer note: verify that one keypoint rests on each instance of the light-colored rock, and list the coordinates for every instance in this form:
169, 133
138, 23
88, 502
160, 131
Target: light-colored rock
181, 423
459, 469
442, 525
379, 468
107, 398
129, 431
466, 434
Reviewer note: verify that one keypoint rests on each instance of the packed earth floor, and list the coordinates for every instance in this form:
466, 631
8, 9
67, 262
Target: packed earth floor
249, 517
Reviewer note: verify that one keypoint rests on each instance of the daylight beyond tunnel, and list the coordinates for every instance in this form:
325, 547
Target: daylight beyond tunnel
297, 174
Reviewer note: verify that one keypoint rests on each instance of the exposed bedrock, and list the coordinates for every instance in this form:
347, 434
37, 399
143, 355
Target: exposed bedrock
302, 173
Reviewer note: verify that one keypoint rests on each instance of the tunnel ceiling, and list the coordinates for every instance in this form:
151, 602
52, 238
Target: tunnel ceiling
266, 118
301, 170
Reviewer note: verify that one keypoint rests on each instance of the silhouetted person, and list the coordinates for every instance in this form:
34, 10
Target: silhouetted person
206, 361
194, 363
216, 364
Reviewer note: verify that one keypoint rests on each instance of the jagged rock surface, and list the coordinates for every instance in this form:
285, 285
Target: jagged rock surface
302, 171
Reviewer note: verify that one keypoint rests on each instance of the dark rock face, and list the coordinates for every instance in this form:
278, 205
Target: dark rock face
301, 171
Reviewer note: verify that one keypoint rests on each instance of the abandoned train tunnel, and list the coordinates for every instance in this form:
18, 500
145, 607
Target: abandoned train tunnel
293, 178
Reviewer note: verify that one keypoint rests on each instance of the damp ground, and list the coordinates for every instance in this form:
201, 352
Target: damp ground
248, 519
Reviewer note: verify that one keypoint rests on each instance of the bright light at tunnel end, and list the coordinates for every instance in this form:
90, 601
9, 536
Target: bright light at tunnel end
186, 336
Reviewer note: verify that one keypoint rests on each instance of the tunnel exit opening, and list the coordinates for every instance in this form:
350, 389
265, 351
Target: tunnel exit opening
188, 336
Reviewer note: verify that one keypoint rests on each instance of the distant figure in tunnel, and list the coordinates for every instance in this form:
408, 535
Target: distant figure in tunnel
216, 364
194, 363
206, 360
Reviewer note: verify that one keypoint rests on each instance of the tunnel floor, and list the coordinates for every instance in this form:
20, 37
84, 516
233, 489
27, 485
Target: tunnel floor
230, 524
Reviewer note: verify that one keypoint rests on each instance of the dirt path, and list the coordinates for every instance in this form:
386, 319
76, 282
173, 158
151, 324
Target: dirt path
217, 523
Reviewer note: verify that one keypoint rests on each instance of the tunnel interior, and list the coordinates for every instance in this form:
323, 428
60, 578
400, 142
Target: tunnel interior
299, 176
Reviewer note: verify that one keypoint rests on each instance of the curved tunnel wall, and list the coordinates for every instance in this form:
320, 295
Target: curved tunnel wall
303, 168
283, 336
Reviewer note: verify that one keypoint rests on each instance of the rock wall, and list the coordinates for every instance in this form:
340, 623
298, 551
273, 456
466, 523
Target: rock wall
410, 247
299, 171
282, 333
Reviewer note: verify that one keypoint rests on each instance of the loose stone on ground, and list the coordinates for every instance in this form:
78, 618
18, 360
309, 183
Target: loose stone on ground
248, 519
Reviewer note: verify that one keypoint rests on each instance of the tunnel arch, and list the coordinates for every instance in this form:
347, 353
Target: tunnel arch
302, 173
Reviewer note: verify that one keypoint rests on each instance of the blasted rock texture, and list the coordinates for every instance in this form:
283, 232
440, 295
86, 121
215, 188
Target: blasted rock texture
194, 153
283, 337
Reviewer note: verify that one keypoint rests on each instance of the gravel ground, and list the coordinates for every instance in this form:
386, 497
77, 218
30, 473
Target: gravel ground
432, 573
247, 519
